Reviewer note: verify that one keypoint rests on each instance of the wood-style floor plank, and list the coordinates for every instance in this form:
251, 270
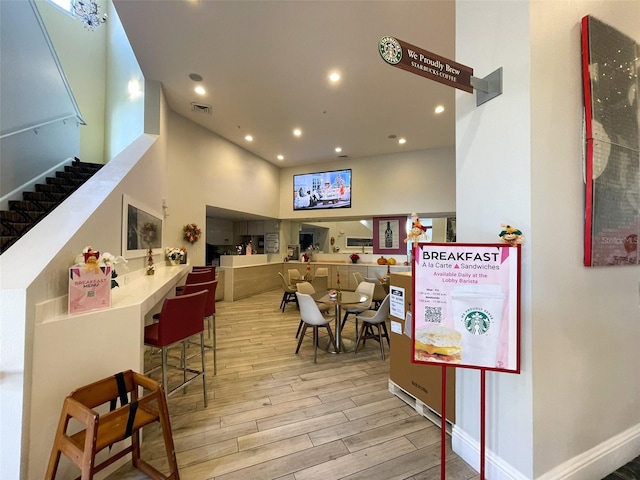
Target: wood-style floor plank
273, 414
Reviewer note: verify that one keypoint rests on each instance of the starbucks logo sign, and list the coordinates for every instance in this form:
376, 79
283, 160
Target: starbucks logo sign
390, 50
477, 322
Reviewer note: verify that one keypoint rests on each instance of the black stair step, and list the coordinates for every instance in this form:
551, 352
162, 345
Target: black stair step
44, 196
13, 228
31, 205
64, 184
66, 178
11, 216
29, 215
87, 168
91, 166
6, 242
65, 190
69, 172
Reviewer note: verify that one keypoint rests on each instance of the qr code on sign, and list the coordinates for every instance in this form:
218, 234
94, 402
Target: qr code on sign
433, 314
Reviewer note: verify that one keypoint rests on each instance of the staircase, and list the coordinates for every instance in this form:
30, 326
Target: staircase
34, 206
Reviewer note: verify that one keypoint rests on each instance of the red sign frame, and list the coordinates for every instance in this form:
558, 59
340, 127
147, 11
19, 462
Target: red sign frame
466, 306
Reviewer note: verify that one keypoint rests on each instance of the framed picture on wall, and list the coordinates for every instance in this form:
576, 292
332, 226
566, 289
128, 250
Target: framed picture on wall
389, 234
141, 229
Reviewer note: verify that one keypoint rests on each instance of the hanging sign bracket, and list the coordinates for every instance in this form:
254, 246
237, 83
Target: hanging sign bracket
488, 87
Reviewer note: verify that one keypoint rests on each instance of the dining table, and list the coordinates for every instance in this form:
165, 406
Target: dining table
340, 299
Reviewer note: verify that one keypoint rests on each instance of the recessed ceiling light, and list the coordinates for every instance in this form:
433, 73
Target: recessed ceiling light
402, 141
200, 90
334, 77
248, 138
280, 157
297, 132
439, 109
338, 149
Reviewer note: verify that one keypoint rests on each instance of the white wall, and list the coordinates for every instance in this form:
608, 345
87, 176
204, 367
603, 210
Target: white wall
205, 169
124, 113
560, 417
585, 308
82, 54
422, 181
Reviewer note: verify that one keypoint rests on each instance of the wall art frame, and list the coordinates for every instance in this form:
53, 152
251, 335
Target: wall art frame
142, 228
389, 234
610, 72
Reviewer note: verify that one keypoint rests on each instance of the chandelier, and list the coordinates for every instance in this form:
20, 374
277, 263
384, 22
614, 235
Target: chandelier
87, 12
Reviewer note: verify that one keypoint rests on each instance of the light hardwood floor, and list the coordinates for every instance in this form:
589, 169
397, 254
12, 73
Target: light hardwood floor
276, 415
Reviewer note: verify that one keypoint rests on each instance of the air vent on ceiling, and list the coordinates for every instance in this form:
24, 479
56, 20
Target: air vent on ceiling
201, 108
343, 156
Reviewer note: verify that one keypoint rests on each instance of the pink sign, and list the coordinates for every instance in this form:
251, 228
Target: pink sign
465, 305
89, 288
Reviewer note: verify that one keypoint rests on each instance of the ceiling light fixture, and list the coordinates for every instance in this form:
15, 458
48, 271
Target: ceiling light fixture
248, 138
297, 132
200, 90
280, 157
439, 109
338, 149
334, 77
402, 141
87, 12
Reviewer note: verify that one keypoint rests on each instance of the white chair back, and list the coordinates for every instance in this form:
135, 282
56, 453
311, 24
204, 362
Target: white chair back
358, 278
309, 310
381, 314
322, 272
366, 288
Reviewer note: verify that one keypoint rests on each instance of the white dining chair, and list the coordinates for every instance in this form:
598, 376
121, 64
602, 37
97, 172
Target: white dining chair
308, 289
311, 316
374, 318
365, 288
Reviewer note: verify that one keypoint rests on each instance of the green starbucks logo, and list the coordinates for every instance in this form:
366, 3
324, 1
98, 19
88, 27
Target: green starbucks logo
476, 322
390, 50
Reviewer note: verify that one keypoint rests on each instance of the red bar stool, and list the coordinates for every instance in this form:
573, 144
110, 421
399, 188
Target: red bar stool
180, 318
198, 276
209, 312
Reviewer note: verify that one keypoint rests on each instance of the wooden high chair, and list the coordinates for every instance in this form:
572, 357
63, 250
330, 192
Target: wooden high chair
102, 431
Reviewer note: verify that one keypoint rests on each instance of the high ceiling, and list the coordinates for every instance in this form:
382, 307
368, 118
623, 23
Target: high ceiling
265, 66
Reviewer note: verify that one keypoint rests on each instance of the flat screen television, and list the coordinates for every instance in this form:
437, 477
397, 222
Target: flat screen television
314, 191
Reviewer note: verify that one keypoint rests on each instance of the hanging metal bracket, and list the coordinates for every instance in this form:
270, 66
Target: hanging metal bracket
488, 87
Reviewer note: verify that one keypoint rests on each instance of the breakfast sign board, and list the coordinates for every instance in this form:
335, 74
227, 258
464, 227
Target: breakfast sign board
466, 305
89, 287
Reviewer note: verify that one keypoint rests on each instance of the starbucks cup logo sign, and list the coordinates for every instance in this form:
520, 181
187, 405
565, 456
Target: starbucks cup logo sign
478, 313
477, 322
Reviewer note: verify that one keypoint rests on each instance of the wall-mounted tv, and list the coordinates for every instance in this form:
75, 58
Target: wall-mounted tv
313, 191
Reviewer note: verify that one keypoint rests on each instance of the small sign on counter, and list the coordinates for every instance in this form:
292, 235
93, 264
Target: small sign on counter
89, 288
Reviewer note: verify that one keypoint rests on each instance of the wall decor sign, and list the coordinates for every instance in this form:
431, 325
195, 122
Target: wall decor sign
416, 60
141, 229
466, 306
389, 234
271, 242
610, 70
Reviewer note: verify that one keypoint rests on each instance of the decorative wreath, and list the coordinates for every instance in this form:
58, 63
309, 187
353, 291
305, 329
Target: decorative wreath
191, 232
148, 232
